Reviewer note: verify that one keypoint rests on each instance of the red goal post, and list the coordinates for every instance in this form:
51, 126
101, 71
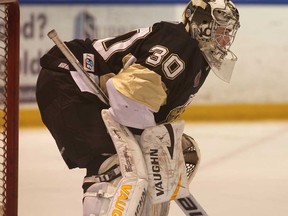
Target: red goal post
9, 106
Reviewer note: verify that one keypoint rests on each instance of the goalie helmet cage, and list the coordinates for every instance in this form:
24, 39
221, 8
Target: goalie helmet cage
9, 106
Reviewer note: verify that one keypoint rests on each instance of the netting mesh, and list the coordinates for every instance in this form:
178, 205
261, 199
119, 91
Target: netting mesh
9, 106
189, 155
3, 105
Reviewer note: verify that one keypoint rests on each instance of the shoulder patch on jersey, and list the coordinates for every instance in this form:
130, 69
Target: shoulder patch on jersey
177, 111
64, 66
88, 62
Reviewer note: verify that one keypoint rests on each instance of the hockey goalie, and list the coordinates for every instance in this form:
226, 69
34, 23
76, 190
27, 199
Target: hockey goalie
133, 148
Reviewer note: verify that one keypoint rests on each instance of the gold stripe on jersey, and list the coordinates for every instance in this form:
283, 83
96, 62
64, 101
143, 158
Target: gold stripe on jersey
142, 85
103, 79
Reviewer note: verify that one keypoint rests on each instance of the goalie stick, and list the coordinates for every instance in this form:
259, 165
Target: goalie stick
79, 68
188, 205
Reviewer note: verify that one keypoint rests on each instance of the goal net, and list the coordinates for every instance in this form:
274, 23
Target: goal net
9, 106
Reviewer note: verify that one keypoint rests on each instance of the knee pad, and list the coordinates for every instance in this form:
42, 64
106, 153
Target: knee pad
119, 196
101, 188
97, 199
113, 192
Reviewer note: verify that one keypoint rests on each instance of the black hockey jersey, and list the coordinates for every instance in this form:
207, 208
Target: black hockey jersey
165, 48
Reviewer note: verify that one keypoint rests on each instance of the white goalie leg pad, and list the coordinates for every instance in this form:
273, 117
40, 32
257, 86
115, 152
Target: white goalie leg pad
162, 150
102, 188
131, 191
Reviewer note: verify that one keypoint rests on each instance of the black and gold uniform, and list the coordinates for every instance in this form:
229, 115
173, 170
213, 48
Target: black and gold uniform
160, 66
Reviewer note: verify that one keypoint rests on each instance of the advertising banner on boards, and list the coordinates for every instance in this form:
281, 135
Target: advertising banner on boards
77, 21
258, 51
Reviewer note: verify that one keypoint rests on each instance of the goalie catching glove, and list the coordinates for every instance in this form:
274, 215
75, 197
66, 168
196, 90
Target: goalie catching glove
192, 156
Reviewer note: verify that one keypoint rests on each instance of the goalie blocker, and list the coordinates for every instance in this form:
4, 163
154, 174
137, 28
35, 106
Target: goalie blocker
161, 147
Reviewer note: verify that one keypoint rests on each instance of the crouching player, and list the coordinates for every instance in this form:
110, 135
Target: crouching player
150, 75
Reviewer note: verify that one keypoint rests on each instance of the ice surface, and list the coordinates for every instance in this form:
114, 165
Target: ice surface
244, 171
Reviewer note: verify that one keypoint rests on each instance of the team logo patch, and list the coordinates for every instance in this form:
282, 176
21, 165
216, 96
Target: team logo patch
188, 13
177, 111
88, 62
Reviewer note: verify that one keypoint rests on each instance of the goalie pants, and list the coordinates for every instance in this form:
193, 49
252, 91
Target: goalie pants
74, 120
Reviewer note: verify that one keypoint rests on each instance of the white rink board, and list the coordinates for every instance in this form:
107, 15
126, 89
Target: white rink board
244, 171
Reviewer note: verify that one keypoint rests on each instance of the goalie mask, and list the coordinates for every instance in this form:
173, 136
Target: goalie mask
214, 23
